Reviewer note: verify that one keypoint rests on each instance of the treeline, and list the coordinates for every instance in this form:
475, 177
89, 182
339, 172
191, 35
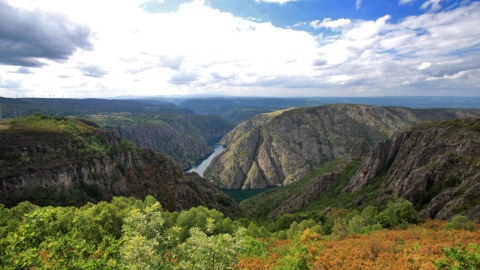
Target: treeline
128, 233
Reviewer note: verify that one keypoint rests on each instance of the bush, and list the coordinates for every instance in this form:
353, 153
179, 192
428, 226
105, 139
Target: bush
459, 257
399, 212
460, 222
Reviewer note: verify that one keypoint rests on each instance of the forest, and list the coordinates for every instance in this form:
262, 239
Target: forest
128, 233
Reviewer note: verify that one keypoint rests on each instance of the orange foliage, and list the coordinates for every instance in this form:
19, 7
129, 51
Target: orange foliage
417, 247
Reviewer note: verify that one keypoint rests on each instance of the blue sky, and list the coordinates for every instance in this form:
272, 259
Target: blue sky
108, 48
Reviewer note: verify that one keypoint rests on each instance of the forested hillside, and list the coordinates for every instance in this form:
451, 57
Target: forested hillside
60, 161
156, 125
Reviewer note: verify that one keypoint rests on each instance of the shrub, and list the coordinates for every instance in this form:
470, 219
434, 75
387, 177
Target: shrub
459, 257
460, 222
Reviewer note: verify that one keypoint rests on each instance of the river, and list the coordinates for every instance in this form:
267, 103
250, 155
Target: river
237, 194
200, 168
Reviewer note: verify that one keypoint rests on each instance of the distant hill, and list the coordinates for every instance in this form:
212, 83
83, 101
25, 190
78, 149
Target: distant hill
152, 124
185, 138
60, 161
239, 109
83, 107
282, 147
435, 165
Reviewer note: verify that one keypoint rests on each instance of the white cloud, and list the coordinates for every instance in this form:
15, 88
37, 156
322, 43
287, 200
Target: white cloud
198, 49
424, 65
331, 24
358, 4
403, 2
434, 5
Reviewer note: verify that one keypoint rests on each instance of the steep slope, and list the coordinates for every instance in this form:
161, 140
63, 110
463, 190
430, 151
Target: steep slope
185, 138
435, 165
62, 161
282, 147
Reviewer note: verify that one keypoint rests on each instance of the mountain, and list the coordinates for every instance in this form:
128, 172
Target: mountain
152, 124
435, 165
239, 109
61, 161
185, 138
282, 147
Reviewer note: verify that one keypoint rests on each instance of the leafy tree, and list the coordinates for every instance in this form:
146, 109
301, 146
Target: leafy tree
356, 224
204, 252
399, 212
143, 239
340, 229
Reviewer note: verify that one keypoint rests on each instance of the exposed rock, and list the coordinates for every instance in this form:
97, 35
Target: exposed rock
44, 164
185, 138
282, 147
434, 165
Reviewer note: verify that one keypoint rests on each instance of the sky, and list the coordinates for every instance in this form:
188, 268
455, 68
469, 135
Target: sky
273, 48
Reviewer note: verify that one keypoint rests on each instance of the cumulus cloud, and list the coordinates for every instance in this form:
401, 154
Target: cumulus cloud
197, 49
27, 37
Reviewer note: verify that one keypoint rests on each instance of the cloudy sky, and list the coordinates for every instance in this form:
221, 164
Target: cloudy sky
108, 48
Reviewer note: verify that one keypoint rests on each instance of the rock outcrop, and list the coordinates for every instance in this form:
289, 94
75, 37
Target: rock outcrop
73, 162
185, 138
279, 148
436, 166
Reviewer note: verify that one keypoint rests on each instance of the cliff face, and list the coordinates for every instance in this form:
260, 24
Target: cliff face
80, 162
435, 165
185, 138
279, 148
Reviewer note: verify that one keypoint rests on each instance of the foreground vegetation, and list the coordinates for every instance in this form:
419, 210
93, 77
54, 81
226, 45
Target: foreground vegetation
128, 233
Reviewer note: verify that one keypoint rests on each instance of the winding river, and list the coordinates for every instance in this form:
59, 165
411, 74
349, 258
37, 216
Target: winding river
200, 168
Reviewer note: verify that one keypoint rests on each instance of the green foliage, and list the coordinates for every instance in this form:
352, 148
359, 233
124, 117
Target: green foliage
340, 229
460, 222
459, 257
399, 212
356, 224
204, 252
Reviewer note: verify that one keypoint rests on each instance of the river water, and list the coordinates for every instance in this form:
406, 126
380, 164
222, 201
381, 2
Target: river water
237, 194
200, 168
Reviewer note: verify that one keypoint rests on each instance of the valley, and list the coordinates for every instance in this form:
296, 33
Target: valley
293, 183
201, 165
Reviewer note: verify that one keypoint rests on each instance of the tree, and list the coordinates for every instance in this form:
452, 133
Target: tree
398, 212
340, 229
204, 252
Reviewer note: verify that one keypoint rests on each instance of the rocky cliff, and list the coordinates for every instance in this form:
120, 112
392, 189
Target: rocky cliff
60, 161
434, 165
185, 138
279, 148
